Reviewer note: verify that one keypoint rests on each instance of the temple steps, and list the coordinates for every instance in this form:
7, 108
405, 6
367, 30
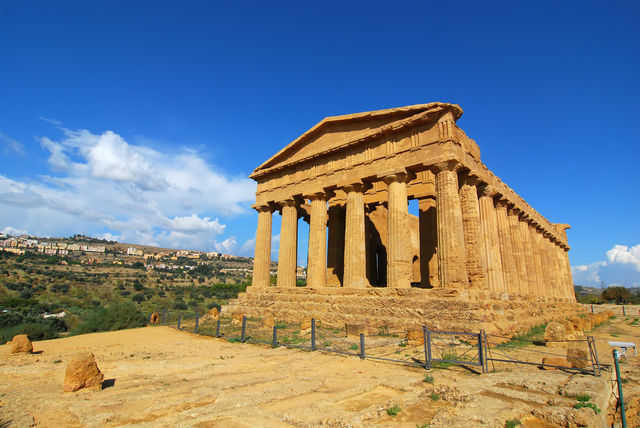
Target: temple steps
399, 308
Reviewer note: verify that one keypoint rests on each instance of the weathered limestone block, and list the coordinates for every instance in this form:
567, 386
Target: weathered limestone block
555, 331
555, 361
210, 316
236, 317
355, 329
21, 344
578, 357
268, 321
82, 372
415, 336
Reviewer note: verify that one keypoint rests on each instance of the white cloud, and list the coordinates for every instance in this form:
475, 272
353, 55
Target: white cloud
11, 146
13, 231
625, 255
621, 267
126, 192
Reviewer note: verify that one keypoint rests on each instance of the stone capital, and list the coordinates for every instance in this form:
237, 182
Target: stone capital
263, 208
287, 203
487, 190
513, 210
317, 196
355, 186
397, 176
503, 203
450, 165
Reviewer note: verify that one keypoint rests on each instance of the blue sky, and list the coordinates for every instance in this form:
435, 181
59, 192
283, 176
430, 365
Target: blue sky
142, 120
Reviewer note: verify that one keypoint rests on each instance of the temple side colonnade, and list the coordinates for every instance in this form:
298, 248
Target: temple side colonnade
351, 177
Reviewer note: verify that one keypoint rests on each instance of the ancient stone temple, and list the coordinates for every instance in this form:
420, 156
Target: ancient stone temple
477, 256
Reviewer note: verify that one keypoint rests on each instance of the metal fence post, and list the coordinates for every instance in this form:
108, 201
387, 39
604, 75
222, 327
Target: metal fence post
480, 355
591, 308
218, 328
275, 336
313, 334
150, 315
428, 347
624, 312
362, 346
623, 415
164, 313
244, 328
197, 322
179, 320
593, 354
424, 342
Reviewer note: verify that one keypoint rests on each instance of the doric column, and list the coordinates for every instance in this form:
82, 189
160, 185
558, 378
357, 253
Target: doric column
398, 256
518, 251
317, 264
262, 256
572, 294
547, 289
509, 269
553, 268
355, 262
491, 241
537, 261
452, 269
473, 241
564, 280
528, 255
335, 250
428, 243
288, 253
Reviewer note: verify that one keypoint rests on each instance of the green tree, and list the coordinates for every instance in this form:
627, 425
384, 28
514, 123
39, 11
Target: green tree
617, 295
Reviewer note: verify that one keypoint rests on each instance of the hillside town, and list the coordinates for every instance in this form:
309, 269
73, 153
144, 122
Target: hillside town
88, 250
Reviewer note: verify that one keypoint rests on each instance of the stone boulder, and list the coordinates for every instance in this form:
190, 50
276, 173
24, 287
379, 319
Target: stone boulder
236, 318
555, 331
555, 361
354, 330
21, 344
268, 321
82, 372
210, 316
155, 318
578, 356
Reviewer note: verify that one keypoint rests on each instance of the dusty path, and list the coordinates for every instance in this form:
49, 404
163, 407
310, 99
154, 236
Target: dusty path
163, 377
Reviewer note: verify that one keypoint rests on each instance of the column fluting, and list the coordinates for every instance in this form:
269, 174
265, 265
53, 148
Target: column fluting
473, 241
398, 257
509, 269
452, 269
288, 253
317, 264
355, 263
262, 256
428, 243
491, 240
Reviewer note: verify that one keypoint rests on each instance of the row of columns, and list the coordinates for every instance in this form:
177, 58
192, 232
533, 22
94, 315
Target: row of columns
483, 241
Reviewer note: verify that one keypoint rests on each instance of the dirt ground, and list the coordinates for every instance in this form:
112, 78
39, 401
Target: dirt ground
158, 376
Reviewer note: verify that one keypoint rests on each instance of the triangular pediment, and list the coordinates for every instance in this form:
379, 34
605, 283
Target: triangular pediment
335, 132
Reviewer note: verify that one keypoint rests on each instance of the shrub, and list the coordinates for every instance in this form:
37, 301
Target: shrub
434, 397
138, 298
512, 423
428, 379
393, 411
116, 316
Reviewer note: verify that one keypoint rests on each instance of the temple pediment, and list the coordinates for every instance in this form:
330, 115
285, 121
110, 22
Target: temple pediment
336, 132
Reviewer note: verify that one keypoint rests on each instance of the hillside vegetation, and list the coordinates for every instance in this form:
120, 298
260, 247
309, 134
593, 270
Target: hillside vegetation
97, 297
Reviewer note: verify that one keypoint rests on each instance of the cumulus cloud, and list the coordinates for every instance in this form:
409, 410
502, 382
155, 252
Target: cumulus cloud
622, 267
101, 183
625, 255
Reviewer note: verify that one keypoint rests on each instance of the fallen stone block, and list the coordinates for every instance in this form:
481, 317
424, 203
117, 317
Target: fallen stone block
555, 361
21, 344
83, 372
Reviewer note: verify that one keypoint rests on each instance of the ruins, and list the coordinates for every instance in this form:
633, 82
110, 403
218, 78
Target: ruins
477, 256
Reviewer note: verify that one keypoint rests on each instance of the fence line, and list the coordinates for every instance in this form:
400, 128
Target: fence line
430, 349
